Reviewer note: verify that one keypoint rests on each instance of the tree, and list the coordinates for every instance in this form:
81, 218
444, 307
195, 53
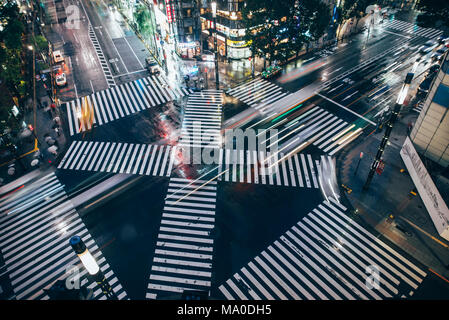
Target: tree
266, 26
12, 34
142, 16
279, 29
434, 13
42, 43
316, 18
353, 9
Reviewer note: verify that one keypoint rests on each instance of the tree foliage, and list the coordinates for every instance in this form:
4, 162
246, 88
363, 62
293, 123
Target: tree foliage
143, 19
434, 13
278, 29
11, 63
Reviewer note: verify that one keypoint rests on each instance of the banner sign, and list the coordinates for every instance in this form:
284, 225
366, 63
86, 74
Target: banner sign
435, 205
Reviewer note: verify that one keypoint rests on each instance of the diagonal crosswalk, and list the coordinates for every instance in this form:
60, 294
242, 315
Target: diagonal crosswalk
325, 256
411, 28
120, 101
202, 120
130, 158
258, 93
321, 128
184, 248
36, 224
260, 167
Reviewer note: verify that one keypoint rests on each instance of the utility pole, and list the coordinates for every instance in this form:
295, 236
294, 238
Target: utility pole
214, 15
391, 122
92, 266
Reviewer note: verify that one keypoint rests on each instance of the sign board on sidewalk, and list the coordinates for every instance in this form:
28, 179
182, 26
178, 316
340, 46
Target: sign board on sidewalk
435, 205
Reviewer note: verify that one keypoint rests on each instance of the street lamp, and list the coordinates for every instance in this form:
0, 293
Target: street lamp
393, 117
91, 266
214, 16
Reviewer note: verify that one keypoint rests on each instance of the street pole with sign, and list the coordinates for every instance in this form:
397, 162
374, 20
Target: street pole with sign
92, 266
393, 117
358, 163
214, 16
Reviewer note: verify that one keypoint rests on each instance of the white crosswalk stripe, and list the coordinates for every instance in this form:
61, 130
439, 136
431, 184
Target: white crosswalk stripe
130, 158
260, 167
257, 92
322, 129
418, 107
325, 256
104, 64
117, 102
184, 248
411, 28
202, 120
36, 224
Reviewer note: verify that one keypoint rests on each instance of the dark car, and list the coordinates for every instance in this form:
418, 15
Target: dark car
434, 68
425, 85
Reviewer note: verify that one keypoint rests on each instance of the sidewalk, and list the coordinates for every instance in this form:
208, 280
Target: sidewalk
43, 131
389, 194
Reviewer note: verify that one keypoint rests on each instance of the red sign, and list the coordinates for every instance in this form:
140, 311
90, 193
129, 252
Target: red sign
169, 11
380, 167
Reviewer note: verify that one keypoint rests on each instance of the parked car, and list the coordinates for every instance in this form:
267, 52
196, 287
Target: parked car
271, 72
57, 56
425, 85
434, 68
437, 55
427, 47
152, 66
61, 80
443, 39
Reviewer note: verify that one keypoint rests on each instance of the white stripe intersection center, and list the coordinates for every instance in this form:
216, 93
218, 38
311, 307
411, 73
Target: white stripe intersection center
130, 158
184, 248
119, 101
36, 224
260, 167
202, 120
325, 256
411, 28
257, 93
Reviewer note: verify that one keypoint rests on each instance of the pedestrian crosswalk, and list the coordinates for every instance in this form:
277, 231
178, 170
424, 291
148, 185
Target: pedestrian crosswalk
418, 107
325, 256
130, 158
36, 223
117, 102
258, 93
322, 129
202, 120
184, 247
411, 28
260, 167
104, 64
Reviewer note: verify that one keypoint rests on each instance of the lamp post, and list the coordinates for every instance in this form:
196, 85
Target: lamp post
92, 266
214, 16
394, 115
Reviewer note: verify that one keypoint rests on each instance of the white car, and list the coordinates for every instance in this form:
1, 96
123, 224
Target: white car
57, 56
427, 47
61, 80
437, 55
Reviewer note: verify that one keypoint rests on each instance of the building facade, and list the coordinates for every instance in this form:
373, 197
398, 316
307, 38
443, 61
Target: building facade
186, 18
230, 30
430, 134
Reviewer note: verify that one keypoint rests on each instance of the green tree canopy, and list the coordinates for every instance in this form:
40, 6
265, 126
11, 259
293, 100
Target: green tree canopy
278, 29
434, 13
